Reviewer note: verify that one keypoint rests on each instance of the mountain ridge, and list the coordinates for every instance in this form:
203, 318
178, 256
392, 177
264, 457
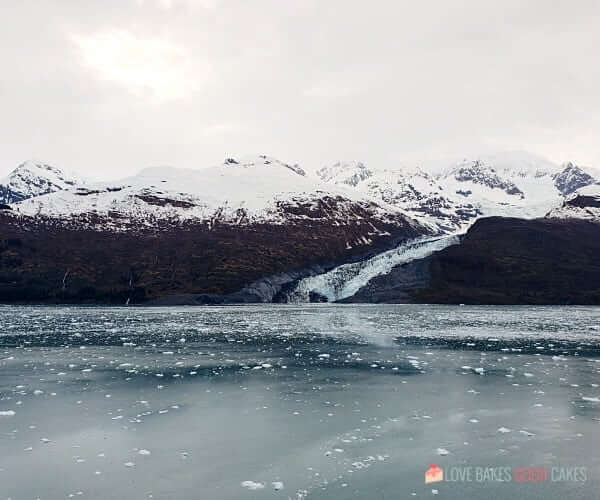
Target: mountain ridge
251, 229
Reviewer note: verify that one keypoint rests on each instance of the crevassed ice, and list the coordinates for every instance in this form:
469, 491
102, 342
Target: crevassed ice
345, 280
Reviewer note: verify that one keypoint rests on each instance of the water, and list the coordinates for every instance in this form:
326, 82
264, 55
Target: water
314, 401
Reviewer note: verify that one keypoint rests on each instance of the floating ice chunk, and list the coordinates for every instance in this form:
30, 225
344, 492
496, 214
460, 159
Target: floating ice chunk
252, 485
479, 370
7, 413
324, 356
474, 421
591, 399
44, 440
442, 452
267, 365
277, 485
434, 492
144, 452
129, 464
504, 430
38, 392
528, 374
527, 433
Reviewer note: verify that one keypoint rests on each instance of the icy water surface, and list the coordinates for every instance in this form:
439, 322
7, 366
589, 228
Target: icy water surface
300, 402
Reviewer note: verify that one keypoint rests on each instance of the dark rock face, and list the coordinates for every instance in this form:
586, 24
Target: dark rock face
44, 260
582, 201
502, 261
515, 261
7, 195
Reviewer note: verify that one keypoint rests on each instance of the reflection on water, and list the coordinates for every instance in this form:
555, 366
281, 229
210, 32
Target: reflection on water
319, 401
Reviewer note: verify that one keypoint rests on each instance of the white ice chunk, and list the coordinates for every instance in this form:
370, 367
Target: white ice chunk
252, 485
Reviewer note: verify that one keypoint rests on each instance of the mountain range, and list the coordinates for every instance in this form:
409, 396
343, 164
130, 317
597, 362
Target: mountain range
254, 229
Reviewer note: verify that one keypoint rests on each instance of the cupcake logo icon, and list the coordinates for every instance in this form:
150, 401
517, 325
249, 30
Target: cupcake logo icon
434, 474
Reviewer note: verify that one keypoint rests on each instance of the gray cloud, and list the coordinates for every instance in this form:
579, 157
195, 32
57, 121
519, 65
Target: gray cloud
109, 87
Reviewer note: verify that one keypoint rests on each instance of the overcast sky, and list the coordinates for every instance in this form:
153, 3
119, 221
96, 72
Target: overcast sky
109, 87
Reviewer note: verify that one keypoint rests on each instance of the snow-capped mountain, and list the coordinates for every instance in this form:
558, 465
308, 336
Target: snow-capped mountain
34, 178
415, 191
250, 190
264, 189
512, 184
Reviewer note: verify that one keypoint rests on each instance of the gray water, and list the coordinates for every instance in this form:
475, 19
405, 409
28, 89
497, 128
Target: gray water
300, 402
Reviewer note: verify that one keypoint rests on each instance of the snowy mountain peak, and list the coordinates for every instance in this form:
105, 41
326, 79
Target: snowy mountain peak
34, 178
262, 160
572, 178
350, 173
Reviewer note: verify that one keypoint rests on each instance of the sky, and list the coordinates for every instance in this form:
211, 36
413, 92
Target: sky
108, 88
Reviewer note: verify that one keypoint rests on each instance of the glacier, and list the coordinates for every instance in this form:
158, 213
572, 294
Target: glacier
345, 280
